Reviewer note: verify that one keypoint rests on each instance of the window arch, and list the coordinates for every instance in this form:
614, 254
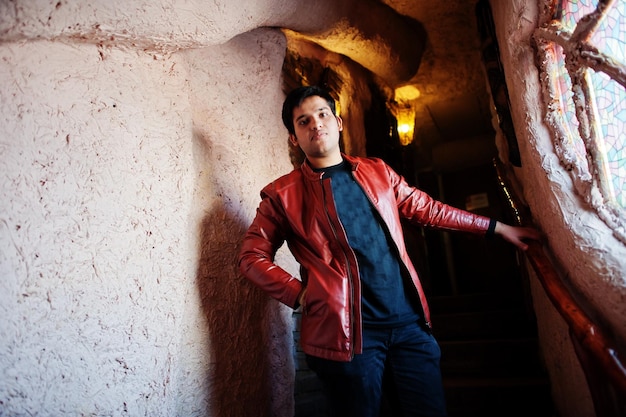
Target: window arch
582, 51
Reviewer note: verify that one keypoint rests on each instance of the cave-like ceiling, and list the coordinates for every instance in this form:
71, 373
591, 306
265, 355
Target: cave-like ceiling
440, 57
454, 103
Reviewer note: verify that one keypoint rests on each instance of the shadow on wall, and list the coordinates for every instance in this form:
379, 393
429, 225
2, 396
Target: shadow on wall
236, 315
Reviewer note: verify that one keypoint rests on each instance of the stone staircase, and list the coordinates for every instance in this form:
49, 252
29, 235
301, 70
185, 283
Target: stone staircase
491, 363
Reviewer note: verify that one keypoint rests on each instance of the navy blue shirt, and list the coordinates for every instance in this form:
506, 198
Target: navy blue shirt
384, 300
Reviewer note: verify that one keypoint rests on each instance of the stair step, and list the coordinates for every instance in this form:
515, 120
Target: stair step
311, 405
309, 396
485, 324
491, 362
307, 381
473, 302
517, 357
490, 397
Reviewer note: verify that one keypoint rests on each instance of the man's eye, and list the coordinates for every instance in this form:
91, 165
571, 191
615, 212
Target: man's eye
302, 122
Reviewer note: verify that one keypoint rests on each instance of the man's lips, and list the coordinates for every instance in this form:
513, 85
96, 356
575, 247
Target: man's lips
318, 135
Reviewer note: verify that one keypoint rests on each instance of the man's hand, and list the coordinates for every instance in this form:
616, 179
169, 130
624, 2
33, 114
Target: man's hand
301, 297
516, 235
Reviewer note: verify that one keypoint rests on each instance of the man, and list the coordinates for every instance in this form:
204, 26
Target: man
363, 308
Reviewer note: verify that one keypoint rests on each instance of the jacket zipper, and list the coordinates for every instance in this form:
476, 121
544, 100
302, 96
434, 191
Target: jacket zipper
348, 270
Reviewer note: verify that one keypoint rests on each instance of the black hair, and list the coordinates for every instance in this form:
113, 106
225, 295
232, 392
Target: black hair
295, 99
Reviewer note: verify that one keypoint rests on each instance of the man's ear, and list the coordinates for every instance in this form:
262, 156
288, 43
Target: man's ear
339, 123
293, 140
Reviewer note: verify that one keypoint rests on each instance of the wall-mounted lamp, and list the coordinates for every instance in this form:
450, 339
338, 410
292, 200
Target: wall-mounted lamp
405, 116
403, 109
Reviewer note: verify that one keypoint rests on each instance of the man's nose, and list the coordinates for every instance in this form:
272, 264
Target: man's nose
317, 123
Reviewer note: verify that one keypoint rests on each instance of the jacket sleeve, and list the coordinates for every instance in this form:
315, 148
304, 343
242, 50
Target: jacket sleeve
264, 237
421, 209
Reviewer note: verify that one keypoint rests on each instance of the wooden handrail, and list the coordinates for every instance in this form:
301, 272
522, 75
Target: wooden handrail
598, 349
588, 334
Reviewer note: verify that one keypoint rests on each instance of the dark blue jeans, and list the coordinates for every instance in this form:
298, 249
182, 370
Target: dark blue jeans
407, 356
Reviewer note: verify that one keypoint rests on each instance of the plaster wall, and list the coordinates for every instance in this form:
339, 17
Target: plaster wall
240, 146
591, 259
373, 34
127, 179
95, 193
135, 138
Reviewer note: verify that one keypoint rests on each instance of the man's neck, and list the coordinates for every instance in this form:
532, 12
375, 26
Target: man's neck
321, 163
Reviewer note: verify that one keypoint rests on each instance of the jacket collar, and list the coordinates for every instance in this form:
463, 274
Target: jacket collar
312, 175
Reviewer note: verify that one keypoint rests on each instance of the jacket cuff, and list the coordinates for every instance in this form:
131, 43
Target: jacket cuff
491, 230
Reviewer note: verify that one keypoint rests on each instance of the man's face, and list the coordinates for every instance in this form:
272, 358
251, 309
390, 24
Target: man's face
316, 129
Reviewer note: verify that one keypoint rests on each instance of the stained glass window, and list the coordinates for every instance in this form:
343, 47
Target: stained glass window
570, 12
584, 61
610, 105
609, 38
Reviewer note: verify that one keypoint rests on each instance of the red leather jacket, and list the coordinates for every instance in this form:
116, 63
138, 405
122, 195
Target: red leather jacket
298, 208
